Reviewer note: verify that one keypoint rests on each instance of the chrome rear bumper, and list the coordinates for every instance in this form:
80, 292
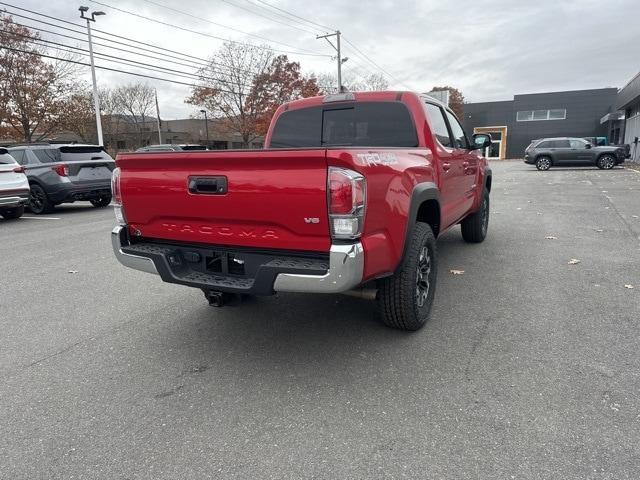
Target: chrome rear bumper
346, 267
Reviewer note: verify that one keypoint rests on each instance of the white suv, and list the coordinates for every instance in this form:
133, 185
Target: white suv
14, 187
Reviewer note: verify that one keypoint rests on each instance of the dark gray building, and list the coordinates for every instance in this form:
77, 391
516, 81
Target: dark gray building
514, 123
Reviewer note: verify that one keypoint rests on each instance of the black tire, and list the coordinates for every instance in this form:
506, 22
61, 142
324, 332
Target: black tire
405, 299
38, 201
543, 163
101, 202
606, 162
12, 213
475, 226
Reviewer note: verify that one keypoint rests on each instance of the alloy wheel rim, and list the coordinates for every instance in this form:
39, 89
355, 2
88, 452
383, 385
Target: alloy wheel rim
607, 162
544, 163
36, 199
423, 273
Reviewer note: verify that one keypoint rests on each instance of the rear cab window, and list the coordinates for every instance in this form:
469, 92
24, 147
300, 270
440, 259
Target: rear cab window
359, 124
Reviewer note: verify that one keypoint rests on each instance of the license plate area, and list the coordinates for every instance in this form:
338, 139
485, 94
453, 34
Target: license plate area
225, 263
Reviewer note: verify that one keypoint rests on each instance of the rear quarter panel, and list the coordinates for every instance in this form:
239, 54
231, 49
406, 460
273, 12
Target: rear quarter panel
391, 176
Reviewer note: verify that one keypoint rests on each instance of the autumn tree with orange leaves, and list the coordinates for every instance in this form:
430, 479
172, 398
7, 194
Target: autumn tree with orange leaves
33, 93
282, 83
244, 84
456, 99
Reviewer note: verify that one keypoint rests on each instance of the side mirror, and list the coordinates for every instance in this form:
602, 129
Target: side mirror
588, 145
480, 141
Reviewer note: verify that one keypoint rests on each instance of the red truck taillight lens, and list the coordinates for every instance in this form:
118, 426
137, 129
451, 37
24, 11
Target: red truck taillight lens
347, 198
116, 197
62, 170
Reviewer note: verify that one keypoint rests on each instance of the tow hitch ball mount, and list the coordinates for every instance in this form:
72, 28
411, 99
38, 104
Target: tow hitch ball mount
216, 299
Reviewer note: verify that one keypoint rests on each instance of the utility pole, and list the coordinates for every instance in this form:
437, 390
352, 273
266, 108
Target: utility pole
96, 100
158, 118
206, 125
338, 57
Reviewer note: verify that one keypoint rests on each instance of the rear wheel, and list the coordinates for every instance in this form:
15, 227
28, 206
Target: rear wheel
543, 163
38, 201
11, 213
606, 162
405, 299
474, 227
101, 202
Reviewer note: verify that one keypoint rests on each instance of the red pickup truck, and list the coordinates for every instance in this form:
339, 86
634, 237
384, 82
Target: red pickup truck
348, 196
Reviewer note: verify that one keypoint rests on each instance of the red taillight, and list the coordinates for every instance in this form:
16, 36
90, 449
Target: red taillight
347, 196
115, 186
341, 193
61, 169
19, 170
116, 197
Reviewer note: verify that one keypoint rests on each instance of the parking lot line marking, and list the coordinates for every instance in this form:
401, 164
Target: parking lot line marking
42, 218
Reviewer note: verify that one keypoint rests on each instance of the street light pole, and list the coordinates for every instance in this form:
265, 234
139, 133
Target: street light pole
338, 57
206, 125
96, 100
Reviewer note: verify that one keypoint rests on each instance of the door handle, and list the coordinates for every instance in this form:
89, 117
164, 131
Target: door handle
208, 185
446, 166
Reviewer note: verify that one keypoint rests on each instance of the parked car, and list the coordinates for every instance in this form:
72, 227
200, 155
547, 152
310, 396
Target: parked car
65, 174
604, 142
349, 197
168, 147
548, 152
14, 186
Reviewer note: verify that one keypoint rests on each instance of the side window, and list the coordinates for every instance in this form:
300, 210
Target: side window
561, 143
19, 156
545, 144
459, 137
577, 143
438, 124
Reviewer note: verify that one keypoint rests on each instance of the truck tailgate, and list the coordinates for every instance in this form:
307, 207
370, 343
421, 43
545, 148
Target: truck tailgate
264, 199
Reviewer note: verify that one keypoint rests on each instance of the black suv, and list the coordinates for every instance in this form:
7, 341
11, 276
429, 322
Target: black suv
65, 173
548, 152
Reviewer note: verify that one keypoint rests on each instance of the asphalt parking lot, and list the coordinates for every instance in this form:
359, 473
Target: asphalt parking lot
528, 369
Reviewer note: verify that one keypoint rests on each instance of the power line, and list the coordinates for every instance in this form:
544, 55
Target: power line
120, 60
205, 62
192, 65
366, 58
107, 68
323, 27
147, 56
225, 26
288, 21
209, 35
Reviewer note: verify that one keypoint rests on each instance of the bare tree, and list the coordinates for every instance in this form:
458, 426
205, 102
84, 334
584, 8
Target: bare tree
328, 82
134, 102
225, 85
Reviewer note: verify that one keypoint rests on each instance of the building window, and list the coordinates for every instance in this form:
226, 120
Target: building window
237, 145
535, 115
121, 144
